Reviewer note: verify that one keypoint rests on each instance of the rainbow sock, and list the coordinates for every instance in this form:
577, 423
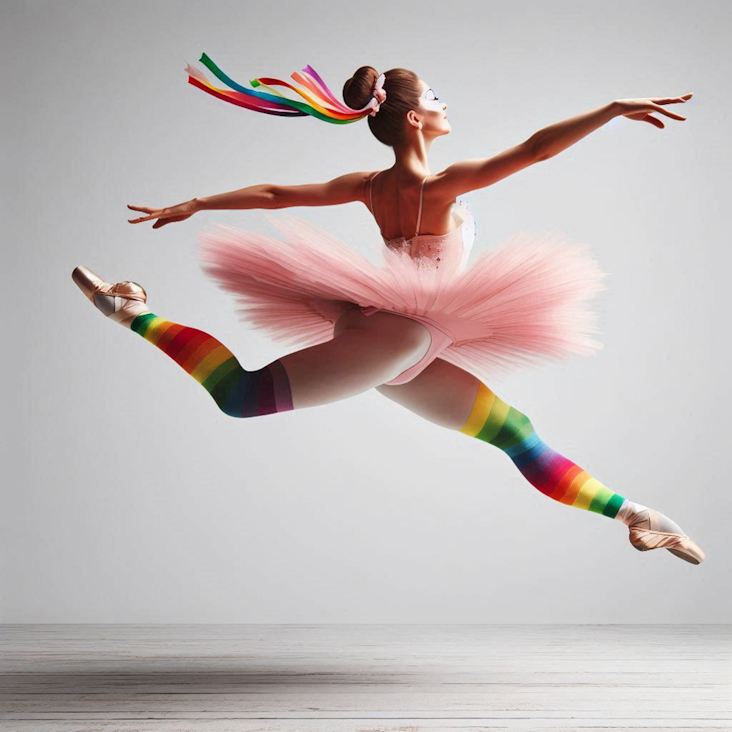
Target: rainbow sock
494, 421
238, 393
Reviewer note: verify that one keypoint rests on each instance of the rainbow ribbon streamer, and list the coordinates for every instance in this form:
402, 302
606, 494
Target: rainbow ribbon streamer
322, 103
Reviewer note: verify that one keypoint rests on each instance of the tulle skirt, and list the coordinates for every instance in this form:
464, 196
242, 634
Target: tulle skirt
522, 304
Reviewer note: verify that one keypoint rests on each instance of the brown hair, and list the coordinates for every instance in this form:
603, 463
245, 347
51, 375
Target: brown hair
402, 94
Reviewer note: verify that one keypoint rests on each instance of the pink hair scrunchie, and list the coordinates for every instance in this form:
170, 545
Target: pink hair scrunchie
379, 95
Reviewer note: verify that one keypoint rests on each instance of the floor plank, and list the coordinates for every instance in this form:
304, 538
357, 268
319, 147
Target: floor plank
343, 678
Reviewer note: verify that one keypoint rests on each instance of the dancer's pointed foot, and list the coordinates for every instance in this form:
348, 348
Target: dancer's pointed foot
121, 302
647, 532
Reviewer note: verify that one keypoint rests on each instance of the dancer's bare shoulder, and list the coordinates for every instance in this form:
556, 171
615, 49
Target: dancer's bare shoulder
470, 175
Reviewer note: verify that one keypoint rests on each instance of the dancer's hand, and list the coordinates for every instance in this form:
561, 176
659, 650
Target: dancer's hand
165, 215
640, 109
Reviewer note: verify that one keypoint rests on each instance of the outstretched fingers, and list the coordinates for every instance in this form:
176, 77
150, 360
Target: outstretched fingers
670, 100
153, 213
667, 112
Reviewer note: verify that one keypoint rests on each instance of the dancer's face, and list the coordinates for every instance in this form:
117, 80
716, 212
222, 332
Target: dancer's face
432, 112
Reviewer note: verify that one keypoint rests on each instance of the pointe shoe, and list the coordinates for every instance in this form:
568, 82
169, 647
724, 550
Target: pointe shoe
121, 302
644, 535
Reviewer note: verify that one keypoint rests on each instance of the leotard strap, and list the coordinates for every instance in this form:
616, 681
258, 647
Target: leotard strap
419, 215
371, 200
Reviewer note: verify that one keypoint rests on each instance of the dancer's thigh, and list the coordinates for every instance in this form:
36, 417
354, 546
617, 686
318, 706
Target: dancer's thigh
364, 352
391, 329
442, 393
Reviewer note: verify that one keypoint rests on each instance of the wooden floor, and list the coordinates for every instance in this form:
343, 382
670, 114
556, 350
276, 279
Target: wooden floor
364, 677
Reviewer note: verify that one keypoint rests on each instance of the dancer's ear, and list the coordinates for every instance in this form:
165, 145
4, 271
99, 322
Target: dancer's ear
413, 119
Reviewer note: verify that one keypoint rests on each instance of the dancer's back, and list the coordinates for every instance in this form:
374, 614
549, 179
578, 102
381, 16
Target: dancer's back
450, 236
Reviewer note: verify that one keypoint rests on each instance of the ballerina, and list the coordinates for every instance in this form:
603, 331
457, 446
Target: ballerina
423, 327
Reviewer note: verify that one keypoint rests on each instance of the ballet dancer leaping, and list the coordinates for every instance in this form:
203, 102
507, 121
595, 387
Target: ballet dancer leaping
367, 332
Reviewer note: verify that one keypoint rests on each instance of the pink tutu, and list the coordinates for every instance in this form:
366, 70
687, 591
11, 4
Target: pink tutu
522, 304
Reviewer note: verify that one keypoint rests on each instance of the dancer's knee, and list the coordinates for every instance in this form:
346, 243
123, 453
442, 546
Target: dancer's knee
515, 428
243, 393
496, 421
517, 424
228, 408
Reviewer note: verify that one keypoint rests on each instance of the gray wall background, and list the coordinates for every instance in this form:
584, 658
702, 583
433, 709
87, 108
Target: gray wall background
127, 497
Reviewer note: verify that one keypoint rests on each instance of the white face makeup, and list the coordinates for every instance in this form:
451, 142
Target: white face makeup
431, 101
433, 119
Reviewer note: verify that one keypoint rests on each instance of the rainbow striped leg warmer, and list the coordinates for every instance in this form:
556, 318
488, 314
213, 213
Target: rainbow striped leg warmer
237, 392
494, 421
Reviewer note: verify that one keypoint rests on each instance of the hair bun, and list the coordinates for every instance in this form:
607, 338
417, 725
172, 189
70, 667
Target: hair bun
358, 90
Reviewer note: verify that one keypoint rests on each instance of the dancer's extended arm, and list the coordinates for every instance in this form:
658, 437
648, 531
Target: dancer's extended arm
468, 175
343, 189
